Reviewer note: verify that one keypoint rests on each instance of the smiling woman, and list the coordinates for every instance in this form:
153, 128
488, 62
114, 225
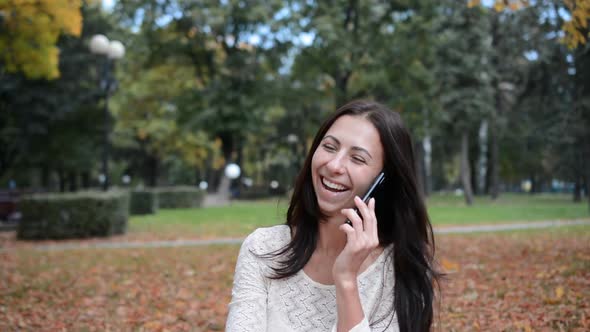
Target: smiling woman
344, 164
318, 273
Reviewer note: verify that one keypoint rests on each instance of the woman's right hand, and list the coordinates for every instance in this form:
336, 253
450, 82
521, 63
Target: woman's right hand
362, 238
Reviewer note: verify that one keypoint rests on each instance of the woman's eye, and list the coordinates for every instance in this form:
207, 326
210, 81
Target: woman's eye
359, 160
329, 147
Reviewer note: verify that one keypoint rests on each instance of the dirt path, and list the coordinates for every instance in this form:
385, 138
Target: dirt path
221, 241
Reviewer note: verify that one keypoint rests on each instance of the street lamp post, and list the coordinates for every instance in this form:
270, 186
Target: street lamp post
111, 50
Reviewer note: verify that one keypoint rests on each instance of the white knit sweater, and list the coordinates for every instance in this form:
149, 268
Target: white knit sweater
298, 303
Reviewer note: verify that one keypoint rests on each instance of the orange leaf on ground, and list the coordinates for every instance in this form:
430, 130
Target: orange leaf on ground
449, 266
559, 292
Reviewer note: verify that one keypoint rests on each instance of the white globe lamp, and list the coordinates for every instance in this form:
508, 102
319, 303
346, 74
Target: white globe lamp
232, 171
99, 44
116, 50
203, 185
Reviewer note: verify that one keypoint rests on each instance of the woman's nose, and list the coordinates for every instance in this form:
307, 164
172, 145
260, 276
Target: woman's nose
336, 165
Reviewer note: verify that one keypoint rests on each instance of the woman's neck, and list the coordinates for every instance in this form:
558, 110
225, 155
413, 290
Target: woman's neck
331, 240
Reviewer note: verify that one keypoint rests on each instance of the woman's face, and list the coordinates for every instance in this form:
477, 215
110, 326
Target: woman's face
345, 163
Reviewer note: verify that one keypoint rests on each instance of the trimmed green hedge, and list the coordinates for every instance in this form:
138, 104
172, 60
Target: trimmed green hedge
73, 215
254, 192
179, 197
143, 201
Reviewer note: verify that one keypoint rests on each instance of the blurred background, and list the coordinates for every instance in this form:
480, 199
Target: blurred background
496, 93
176, 127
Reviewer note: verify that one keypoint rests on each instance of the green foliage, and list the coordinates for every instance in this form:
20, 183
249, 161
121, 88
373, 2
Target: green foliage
224, 76
545, 137
179, 197
143, 202
148, 117
79, 215
40, 120
211, 82
464, 67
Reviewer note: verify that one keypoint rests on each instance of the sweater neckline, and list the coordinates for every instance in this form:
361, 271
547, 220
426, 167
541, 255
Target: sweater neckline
369, 269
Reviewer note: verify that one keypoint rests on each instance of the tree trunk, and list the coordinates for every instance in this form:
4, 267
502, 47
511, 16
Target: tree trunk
341, 89
496, 111
72, 181
428, 164
465, 172
342, 77
427, 148
534, 184
62, 180
586, 166
45, 175
153, 171
488, 175
482, 164
235, 183
419, 161
473, 174
587, 180
228, 148
215, 177
493, 163
578, 189
85, 179
198, 176
209, 176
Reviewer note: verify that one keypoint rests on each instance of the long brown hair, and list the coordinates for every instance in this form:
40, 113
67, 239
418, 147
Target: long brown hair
401, 215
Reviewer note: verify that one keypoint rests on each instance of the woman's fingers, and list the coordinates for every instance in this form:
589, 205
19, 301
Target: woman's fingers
350, 233
362, 207
371, 220
361, 237
357, 222
365, 228
368, 213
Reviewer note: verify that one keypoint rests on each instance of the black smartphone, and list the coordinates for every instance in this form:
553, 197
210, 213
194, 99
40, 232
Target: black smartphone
378, 180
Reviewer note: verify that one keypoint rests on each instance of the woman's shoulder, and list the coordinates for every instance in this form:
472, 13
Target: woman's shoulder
266, 239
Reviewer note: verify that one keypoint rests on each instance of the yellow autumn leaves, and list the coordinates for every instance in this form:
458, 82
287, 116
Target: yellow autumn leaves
29, 33
580, 11
500, 5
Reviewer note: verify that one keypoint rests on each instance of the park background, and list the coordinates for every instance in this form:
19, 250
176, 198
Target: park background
496, 94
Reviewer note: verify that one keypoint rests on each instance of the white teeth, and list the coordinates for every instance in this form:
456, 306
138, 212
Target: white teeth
332, 185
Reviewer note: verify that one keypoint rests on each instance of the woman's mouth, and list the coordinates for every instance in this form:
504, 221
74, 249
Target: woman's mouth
333, 186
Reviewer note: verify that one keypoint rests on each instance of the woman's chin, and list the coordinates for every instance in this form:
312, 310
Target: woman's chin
332, 211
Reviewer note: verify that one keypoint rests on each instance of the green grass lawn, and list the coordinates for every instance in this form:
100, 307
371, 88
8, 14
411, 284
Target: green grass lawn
448, 210
242, 217
237, 219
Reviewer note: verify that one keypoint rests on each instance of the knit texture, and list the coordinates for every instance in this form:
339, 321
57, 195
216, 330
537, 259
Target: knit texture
298, 303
